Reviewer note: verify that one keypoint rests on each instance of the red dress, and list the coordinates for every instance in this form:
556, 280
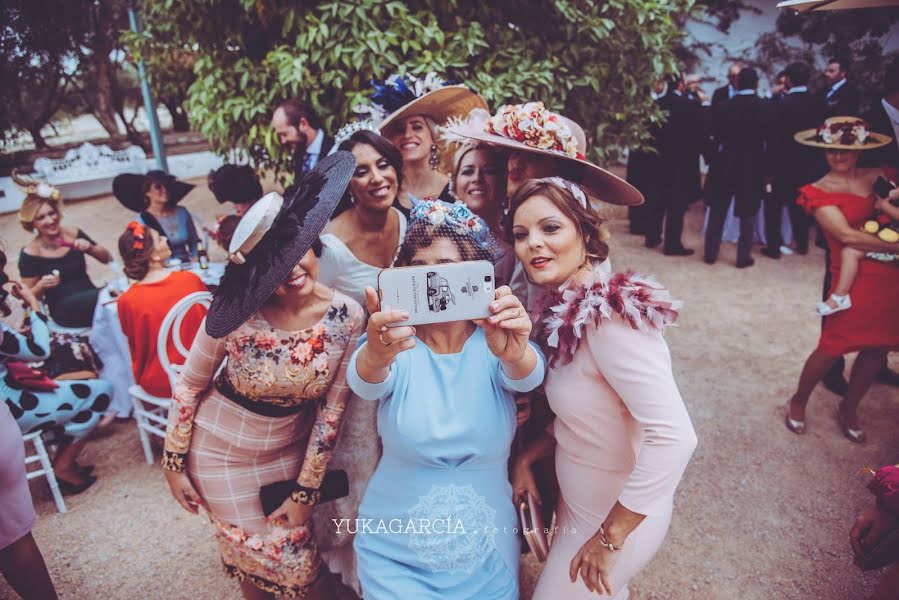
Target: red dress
141, 311
873, 320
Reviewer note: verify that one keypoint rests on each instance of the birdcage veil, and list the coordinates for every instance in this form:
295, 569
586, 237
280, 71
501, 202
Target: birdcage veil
432, 220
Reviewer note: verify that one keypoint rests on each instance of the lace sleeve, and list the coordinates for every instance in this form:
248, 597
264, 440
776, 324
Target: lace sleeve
328, 417
206, 355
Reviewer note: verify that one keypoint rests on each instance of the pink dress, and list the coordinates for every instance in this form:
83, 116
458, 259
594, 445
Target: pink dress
622, 431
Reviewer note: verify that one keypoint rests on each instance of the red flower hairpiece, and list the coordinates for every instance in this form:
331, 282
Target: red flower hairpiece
139, 232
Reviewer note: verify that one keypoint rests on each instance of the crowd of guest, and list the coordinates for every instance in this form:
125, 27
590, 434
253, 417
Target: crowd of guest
303, 402
748, 144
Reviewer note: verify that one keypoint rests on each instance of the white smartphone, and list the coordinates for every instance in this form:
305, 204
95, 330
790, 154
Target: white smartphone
439, 293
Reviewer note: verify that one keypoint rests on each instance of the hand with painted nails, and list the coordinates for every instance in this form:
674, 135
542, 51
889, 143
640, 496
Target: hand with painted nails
384, 343
508, 327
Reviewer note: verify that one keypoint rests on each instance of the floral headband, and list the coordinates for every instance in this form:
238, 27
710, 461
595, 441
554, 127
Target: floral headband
458, 217
571, 187
33, 187
847, 133
532, 124
139, 232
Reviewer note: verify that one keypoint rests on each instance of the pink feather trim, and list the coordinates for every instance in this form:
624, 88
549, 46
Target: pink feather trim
638, 299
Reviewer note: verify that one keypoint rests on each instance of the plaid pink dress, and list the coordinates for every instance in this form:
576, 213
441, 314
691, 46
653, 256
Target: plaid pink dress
230, 451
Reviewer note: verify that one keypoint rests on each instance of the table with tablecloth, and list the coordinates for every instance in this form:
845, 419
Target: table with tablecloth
111, 345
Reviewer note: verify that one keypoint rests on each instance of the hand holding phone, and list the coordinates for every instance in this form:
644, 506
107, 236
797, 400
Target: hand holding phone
508, 328
439, 293
386, 339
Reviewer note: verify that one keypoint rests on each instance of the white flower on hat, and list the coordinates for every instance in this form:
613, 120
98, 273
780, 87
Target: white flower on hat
437, 217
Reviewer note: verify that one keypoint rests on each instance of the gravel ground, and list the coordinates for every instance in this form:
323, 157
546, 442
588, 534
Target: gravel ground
761, 513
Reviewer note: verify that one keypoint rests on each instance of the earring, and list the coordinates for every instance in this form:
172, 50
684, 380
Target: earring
434, 160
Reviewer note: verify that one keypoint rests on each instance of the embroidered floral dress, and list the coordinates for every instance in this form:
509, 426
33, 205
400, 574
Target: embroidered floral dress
272, 414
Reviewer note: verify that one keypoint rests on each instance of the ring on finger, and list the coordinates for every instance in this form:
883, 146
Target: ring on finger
381, 338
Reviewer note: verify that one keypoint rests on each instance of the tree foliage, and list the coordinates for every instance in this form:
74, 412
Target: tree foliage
35, 64
593, 61
855, 35
65, 56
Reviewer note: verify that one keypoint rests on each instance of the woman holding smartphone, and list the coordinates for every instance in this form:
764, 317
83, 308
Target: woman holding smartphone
446, 414
274, 411
622, 436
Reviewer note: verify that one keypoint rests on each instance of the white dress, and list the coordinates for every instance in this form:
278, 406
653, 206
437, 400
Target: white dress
339, 269
358, 447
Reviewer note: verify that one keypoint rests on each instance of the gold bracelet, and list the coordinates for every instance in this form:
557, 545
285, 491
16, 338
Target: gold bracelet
605, 542
306, 496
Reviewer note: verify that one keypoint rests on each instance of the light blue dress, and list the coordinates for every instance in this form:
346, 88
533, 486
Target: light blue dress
437, 520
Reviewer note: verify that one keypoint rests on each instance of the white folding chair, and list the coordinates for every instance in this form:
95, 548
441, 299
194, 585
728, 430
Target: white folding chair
41, 456
151, 412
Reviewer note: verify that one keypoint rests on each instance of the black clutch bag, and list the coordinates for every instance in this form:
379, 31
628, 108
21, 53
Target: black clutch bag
335, 484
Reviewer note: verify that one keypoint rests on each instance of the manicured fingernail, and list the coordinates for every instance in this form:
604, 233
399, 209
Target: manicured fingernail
494, 306
405, 314
413, 331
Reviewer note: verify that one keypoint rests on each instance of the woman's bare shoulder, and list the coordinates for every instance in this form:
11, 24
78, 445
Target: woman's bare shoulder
339, 225
32, 247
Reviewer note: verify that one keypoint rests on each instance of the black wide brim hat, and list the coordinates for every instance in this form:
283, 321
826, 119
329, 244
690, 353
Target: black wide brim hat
128, 188
245, 287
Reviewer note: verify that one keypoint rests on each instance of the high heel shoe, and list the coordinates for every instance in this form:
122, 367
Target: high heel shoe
797, 427
853, 435
75, 488
842, 303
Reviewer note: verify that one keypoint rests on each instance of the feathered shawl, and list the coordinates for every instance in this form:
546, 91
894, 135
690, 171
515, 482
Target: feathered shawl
639, 299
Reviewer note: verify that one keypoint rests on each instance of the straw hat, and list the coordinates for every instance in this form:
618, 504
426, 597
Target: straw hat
843, 133
531, 128
406, 96
270, 240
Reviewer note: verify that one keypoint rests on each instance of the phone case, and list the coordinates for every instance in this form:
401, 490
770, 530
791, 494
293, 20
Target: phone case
532, 526
439, 293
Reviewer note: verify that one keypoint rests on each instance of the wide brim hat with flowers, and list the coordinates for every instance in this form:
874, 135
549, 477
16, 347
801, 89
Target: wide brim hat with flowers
271, 239
843, 133
530, 127
406, 96
128, 188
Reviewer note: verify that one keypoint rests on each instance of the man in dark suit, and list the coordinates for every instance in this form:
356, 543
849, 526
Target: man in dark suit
299, 128
840, 97
793, 165
644, 167
726, 92
742, 131
679, 141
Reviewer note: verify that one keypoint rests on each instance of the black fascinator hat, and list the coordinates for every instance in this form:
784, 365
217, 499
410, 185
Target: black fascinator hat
128, 188
270, 240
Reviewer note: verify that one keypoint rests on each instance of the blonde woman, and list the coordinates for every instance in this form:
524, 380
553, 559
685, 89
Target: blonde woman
415, 108
53, 263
